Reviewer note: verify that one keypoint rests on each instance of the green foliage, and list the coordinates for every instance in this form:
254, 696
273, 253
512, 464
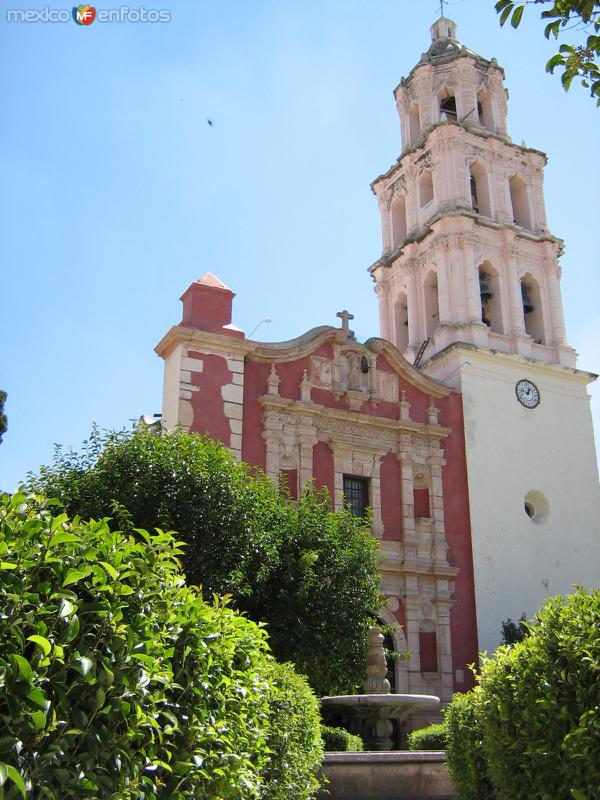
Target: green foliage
339, 740
540, 701
311, 574
119, 681
577, 60
464, 748
294, 737
532, 723
433, 737
513, 632
3, 419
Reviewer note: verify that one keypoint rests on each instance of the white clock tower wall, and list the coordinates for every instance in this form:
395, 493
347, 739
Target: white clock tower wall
542, 456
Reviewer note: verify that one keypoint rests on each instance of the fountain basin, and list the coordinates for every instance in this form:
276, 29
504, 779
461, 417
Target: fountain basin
370, 715
382, 706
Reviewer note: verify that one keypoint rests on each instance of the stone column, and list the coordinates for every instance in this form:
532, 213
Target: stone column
382, 290
273, 444
307, 440
445, 316
436, 505
444, 647
412, 607
415, 336
471, 281
376, 496
409, 536
385, 210
557, 322
517, 317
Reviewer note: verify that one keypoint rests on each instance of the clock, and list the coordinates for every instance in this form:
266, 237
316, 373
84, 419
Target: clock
527, 393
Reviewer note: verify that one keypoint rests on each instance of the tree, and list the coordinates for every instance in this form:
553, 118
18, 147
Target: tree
118, 680
3, 420
311, 574
513, 632
577, 60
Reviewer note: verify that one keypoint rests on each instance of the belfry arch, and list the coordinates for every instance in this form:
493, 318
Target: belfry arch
491, 301
431, 305
479, 188
533, 311
399, 229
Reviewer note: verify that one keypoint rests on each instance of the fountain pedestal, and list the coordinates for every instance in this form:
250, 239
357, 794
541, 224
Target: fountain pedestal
371, 714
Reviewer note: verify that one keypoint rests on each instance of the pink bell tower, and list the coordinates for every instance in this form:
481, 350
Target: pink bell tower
468, 286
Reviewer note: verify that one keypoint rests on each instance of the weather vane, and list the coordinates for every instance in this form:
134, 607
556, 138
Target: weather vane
442, 6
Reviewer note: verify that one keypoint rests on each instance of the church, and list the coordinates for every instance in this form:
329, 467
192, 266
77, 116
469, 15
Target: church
465, 424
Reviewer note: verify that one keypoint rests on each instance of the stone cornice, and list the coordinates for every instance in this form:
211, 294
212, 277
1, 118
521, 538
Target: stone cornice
534, 365
389, 259
181, 334
311, 412
424, 143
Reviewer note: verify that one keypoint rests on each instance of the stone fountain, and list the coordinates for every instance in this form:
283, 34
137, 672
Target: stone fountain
371, 714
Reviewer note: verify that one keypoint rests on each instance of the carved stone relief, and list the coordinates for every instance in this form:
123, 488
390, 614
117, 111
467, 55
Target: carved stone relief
387, 386
321, 372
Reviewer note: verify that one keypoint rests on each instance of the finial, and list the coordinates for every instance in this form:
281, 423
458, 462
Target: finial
442, 6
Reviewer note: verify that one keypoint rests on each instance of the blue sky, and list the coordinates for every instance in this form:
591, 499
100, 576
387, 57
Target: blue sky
116, 193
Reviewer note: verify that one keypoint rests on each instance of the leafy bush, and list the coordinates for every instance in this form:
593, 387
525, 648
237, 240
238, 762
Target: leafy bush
464, 747
310, 573
433, 737
294, 737
540, 701
339, 740
117, 680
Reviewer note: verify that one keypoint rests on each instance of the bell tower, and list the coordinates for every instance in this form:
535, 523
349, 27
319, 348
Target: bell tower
467, 255
468, 286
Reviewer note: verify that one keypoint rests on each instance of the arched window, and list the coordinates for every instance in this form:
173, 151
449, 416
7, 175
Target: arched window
480, 190
485, 111
414, 123
489, 291
432, 309
447, 104
398, 220
425, 188
532, 308
519, 198
401, 323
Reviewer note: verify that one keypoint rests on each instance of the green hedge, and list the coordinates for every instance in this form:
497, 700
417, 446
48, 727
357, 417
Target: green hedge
540, 705
294, 737
531, 728
433, 737
117, 680
339, 740
464, 748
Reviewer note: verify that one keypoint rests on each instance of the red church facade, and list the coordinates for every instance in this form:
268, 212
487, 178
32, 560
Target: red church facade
358, 419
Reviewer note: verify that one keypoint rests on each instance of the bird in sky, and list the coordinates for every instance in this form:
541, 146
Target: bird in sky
210, 122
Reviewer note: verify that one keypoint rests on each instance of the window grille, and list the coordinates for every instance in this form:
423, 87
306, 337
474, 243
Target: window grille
356, 494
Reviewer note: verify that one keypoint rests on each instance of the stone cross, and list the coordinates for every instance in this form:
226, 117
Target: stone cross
345, 316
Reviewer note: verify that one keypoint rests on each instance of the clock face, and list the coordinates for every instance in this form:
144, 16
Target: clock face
527, 393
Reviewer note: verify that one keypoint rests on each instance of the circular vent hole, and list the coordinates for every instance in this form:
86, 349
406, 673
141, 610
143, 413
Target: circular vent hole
536, 506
